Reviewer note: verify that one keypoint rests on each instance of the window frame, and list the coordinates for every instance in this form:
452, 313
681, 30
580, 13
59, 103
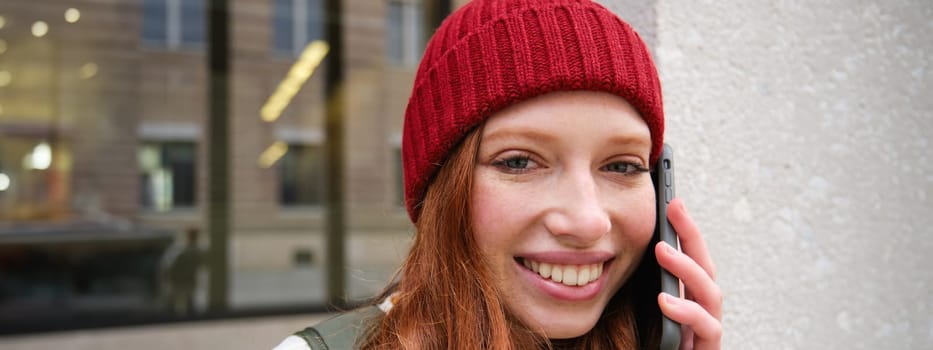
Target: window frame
411, 30
163, 132
174, 37
301, 24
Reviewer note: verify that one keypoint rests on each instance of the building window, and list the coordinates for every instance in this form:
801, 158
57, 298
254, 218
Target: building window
167, 175
174, 23
155, 18
301, 175
296, 23
405, 33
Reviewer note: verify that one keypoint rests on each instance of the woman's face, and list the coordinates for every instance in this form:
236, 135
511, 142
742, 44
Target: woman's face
563, 206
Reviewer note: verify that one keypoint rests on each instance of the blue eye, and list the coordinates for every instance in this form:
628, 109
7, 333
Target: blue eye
624, 168
515, 164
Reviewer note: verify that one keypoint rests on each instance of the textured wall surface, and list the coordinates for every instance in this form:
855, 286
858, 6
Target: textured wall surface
802, 136
640, 14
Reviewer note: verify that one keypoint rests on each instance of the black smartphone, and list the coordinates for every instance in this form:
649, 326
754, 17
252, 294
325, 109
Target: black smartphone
664, 187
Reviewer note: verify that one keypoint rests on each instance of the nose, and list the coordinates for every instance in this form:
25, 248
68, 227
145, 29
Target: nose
577, 216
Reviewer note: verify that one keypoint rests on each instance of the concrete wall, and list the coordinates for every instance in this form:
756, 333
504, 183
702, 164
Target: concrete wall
802, 136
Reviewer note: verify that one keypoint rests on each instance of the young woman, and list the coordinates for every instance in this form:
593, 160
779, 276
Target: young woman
527, 145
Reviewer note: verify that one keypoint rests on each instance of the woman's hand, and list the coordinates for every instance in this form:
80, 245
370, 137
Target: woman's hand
700, 312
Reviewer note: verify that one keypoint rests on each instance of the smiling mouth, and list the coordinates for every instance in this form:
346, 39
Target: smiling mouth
569, 275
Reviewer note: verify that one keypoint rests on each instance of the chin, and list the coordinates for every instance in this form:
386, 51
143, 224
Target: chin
564, 325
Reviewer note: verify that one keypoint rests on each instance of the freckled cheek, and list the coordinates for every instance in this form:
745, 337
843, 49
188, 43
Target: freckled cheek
500, 209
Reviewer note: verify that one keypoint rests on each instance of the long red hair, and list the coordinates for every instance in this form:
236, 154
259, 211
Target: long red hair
445, 299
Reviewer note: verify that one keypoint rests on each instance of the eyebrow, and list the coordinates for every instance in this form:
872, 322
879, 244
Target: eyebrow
630, 139
512, 133
624, 139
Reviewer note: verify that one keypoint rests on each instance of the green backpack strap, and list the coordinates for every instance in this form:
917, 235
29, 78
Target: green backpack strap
340, 332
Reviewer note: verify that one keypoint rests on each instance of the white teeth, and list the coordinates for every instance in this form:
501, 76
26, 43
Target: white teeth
544, 270
557, 273
571, 275
583, 276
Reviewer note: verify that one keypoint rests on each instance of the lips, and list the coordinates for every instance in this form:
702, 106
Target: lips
567, 274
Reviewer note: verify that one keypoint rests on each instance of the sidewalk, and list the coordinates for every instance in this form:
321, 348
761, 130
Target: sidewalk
300, 285
240, 334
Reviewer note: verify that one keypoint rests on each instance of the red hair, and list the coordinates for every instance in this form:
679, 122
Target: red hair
445, 298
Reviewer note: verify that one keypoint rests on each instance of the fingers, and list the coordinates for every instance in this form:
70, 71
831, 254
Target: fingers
707, 330
697, 282
700, 313
691, 241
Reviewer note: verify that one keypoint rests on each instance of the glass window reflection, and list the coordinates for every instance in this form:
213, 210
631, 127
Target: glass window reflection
155, 19
301, 177
192, 22
167, 180
104, 163
296, 23
405, 35
174, 23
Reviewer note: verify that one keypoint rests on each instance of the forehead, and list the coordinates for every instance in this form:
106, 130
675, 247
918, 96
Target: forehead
570, 113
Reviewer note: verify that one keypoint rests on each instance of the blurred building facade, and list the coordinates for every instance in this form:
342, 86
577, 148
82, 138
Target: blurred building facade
104, 130
103, 120
120, 97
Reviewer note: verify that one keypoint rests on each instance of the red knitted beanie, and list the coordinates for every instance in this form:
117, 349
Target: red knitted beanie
490, 54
